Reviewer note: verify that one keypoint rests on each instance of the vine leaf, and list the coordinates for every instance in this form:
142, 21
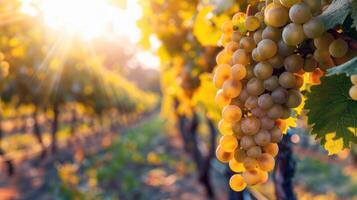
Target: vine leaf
336, 13
348, 68
207, 26
332, 111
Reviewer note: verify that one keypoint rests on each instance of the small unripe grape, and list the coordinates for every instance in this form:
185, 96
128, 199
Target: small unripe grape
294, 99
232, 113
236, 36
250, 125
289, 3
266, 162
223, 57
279, 95
314, 28
262, 138
338, 48
228, 143
236, 166
257, 36
221, 99
354, 79
232, 46
322, 55
293, 34
272, 149
255, 87
252, 23
252, 176
271, 83
232, 88
238, 72
223, 156
353, 92
240, 155
225, 128
271, 33
277, 61
237, 131
287, 80
293, 63
256, 56
227, 27
237, 183
276, 16
250, 163
267, 48
267, 123
263, 70
276, 135
265, 101
258, 112
243, 96
240, 57
254, 152
324, 41
310, 64
284, 49
247, 43
300, 13
275, 112
246, 142
251, 102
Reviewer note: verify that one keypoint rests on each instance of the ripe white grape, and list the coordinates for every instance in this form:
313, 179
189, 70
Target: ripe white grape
271, 83
255, 87
293, 34
250, 125
300, 13
338, 48
314, 28
265, 101
263, 70
262, 138
279, 95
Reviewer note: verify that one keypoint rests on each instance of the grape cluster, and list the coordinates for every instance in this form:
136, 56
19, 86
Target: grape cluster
259, 74
353, 90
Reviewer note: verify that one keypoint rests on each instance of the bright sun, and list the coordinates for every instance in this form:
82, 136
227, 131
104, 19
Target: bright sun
88, 18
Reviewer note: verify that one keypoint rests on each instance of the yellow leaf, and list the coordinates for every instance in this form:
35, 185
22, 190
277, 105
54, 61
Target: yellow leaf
207, 26
334, 146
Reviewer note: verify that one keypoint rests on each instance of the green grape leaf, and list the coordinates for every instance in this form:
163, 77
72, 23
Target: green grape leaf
336, 13
354, 14
331, 110
348, 68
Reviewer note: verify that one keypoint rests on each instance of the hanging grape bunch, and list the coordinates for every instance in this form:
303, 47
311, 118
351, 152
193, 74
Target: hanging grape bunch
259, 74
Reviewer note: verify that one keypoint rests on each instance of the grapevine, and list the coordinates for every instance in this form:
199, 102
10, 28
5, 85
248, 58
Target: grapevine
268, 53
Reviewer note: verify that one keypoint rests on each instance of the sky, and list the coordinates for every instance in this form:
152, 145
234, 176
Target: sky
90, 18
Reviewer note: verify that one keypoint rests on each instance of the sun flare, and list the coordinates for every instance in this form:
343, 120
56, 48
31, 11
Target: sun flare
87, 18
